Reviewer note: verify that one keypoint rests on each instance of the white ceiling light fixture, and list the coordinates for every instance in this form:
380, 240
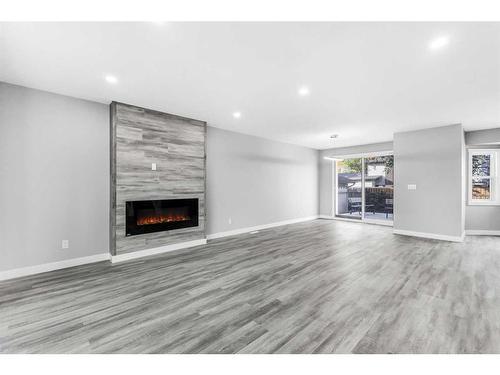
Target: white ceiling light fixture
439, 42
237, 114
111, 79
304, 91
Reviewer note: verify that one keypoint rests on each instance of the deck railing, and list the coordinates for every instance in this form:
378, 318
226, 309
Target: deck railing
377, 199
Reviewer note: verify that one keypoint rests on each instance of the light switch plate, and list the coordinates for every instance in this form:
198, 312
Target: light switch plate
153, 166
412, 187
65, 244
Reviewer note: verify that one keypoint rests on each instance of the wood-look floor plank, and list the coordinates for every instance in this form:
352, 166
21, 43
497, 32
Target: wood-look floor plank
315, 287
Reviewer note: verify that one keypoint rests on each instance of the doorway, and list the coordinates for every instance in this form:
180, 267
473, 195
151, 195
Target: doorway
364, 188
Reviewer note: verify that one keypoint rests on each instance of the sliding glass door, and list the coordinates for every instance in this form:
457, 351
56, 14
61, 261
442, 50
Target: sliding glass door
364, 188
379, 187
349, 188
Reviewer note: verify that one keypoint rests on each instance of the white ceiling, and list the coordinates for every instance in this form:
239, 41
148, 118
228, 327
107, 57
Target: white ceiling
366, 80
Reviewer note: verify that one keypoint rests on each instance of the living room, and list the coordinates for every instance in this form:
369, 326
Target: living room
249, 187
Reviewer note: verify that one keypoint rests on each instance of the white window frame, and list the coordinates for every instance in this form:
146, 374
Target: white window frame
493, 177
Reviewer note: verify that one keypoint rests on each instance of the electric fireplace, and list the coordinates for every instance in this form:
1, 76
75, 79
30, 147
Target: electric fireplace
160, 215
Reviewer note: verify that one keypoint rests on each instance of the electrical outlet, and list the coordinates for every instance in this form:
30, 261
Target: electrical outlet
65, 244
230, 221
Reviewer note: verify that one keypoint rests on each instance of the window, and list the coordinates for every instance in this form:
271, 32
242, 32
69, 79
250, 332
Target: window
483, 177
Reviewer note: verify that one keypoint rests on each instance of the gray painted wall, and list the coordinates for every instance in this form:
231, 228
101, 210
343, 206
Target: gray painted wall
483, 137
482, 217
54, 177
476, 217
326, 187
256, 181
437, 206
54, 158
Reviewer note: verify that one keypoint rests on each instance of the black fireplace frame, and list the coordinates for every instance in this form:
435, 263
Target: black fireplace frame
132, 209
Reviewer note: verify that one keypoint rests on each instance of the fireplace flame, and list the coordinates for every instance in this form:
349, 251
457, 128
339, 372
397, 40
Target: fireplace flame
160, 219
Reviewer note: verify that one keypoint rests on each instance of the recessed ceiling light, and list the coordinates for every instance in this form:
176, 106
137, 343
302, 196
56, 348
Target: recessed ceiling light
304, 91
333, 136
439, 42
110, 79
237, 114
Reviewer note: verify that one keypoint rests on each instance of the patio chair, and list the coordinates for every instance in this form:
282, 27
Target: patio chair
354, 205
389, 207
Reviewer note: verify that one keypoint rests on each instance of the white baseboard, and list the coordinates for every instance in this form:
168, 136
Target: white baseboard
156, 250
32, 270
260, 227
328, 217
480, 232
432, 236
369, 221
342, 219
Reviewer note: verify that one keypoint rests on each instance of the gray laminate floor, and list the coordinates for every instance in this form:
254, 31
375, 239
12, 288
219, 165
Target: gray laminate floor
315, 287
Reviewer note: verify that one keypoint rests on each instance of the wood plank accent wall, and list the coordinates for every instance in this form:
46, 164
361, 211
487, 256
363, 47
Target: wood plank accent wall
140, 137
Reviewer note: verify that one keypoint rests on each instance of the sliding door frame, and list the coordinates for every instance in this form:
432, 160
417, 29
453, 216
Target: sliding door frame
335, 185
